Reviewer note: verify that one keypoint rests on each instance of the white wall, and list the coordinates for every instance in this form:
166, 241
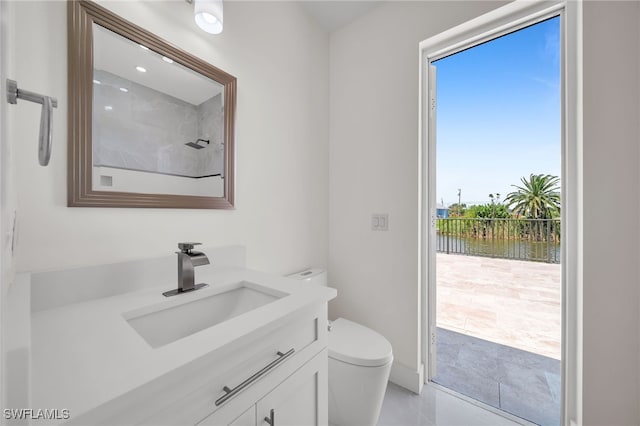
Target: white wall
373, 167
280, 58
7, 197
611, 374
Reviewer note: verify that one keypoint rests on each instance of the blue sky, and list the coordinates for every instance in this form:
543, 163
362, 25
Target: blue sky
499, 114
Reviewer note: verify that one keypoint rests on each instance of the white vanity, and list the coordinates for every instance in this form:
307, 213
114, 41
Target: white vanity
250, 349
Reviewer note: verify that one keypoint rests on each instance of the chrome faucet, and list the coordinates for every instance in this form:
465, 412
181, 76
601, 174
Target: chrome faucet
188, 259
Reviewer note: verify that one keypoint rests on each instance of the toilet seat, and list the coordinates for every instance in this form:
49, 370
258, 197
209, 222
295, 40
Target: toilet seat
355, 344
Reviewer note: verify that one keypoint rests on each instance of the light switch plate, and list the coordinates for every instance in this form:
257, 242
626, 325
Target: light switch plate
380, 222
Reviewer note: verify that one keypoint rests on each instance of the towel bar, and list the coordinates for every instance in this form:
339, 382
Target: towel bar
46, 122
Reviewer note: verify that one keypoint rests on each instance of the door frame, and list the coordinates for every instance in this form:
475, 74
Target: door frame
501, 21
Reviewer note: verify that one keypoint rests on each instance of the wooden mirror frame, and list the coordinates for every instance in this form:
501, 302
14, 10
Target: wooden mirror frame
81, 16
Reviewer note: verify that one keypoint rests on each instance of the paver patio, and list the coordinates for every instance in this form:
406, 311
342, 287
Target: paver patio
498, 336
511, 302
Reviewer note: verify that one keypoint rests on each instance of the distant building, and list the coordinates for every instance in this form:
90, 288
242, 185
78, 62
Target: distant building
442, 212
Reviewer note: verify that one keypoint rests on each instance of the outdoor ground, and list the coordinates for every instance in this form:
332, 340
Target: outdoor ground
511, 302
498, 337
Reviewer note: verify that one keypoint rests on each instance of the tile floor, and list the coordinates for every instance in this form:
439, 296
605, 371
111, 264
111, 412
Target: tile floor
522, 383
433, 407
499, 333
499, 325
511, 302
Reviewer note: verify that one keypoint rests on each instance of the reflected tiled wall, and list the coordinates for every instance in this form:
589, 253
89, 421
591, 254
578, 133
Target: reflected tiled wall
143, 129
211, 125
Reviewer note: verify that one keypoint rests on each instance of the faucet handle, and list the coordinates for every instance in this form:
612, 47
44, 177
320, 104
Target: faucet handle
187, 247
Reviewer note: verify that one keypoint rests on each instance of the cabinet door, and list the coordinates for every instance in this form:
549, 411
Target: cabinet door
222, 418
248, 418
301, 400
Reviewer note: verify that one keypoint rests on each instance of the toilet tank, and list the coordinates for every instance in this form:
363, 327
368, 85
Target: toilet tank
311, 276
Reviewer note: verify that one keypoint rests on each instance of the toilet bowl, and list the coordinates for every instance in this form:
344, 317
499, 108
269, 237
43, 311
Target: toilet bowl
359, 365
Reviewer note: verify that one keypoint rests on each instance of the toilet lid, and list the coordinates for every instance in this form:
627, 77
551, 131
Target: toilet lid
359, 345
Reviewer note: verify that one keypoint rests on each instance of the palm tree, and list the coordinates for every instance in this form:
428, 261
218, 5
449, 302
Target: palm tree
538, 198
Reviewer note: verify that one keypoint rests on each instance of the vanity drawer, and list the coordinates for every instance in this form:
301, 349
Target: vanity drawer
247, 371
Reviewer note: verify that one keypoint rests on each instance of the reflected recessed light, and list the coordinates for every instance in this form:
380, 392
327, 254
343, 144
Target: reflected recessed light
167, 60
97, 82
108, 108
143, 47
141, 69
124, 89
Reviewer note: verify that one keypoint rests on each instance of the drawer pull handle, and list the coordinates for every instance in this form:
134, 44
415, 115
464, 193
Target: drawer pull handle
264, 370
271, 420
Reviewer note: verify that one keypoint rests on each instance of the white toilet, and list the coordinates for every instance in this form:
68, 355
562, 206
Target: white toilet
359, 366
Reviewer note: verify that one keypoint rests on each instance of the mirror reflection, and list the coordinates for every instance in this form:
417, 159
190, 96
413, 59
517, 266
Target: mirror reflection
158, 127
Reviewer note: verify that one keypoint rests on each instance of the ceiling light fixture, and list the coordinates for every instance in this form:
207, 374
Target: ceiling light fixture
141, 69
167, 60
208, 14
124, 89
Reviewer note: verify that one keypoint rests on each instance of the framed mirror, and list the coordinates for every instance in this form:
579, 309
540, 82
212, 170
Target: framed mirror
150, 125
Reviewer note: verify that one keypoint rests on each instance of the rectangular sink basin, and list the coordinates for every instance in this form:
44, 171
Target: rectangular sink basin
160, 325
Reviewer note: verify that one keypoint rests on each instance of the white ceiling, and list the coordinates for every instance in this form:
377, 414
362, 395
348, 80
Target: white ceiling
334, 14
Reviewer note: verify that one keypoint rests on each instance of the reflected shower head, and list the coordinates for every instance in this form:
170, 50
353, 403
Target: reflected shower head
195, 144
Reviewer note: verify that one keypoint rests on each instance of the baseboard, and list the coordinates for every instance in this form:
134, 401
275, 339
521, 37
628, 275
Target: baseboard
406, 377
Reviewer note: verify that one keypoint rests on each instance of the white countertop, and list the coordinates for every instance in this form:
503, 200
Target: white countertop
85, 354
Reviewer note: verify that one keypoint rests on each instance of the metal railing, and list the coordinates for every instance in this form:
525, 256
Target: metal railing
523, 239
